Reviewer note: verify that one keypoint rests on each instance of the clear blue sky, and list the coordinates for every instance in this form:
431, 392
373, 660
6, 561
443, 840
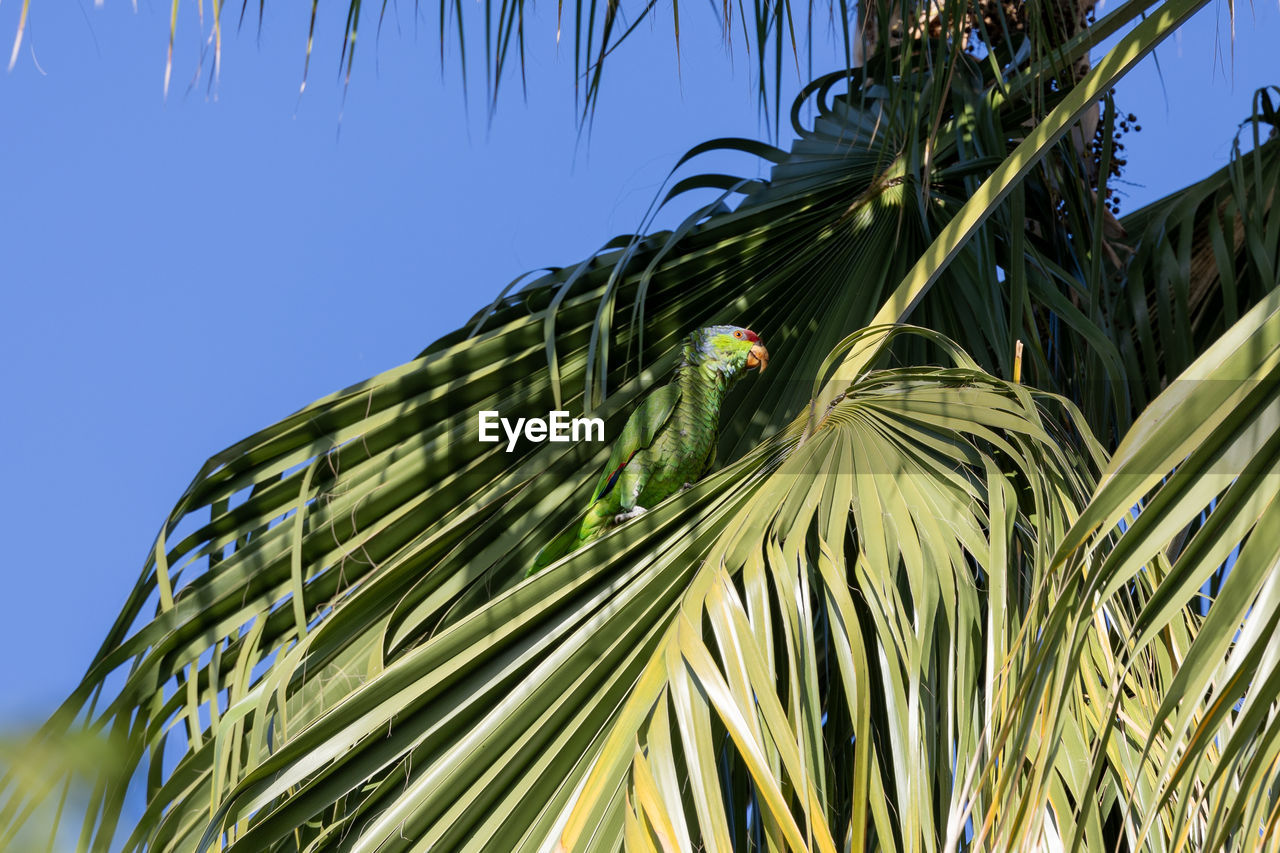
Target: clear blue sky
178, 273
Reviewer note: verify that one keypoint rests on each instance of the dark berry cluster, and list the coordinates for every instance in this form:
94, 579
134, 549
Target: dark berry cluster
1122, 124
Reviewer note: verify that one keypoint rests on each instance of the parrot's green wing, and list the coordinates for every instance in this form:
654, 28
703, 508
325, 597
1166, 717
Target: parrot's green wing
638, 434
710, 462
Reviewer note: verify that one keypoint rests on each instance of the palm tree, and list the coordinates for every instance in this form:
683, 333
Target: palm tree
938, 595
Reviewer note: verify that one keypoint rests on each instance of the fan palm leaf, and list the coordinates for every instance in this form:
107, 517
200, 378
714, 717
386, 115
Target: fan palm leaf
1202, 457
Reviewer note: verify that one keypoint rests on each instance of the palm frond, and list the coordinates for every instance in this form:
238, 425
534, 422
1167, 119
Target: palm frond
986, 199
1202, 257
822, 681
1192, 487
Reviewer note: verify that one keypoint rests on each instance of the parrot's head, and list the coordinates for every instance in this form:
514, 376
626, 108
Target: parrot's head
727, 349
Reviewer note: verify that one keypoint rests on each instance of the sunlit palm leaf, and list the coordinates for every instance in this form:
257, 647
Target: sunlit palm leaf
1208, 444
859, 604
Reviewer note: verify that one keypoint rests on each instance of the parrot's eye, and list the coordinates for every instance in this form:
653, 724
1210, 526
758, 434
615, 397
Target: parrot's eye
738, 334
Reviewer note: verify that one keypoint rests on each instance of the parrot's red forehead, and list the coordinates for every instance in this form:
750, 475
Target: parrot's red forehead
750, 335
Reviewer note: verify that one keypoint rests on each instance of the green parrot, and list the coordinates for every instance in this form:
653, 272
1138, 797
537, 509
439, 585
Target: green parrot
669, 441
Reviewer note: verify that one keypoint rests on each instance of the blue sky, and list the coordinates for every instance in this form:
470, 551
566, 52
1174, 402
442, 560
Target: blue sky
180, 272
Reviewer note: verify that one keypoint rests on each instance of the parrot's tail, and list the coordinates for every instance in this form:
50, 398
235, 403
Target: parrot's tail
566, 542
585, 528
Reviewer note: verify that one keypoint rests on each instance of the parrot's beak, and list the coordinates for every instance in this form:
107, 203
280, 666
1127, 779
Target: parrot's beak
758, 357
